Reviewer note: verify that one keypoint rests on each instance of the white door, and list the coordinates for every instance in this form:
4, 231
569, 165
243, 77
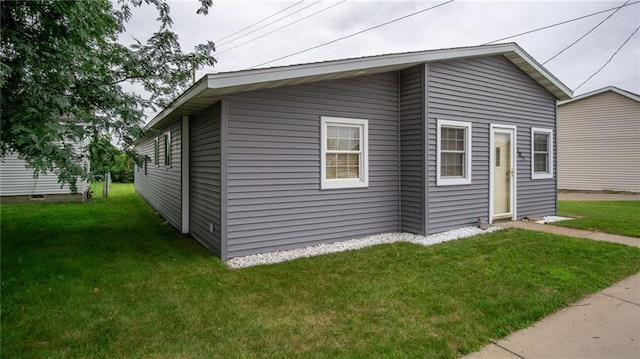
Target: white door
502, 172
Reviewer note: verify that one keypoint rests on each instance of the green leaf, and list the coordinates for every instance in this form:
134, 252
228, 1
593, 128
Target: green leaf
61, 65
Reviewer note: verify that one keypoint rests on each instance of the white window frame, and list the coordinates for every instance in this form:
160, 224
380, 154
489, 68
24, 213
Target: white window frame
452, 181
363, 180
167, 149
549, 132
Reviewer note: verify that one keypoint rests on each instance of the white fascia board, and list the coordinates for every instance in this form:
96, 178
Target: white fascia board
363, 64
627, 94
190, 93
541, 70
239, 78
239, 81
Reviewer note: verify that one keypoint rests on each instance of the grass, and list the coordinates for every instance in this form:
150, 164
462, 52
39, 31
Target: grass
107, 279
616, 217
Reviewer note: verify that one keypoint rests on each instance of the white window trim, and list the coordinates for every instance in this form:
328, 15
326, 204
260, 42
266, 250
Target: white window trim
363, 181
541, 175
445, 181
166, 154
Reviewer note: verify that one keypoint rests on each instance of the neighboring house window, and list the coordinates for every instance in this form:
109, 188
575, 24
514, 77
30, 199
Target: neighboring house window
156, 152
344, 159
453, 153
146, 159
542, 150
167, 149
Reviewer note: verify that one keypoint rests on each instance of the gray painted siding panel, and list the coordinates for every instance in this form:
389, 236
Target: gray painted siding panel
273, 165
484, 91
539, 196
411, 150
204, 178
162, 185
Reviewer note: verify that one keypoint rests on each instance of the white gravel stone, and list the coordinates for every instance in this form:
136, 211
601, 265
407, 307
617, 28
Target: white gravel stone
324, 248
551, 219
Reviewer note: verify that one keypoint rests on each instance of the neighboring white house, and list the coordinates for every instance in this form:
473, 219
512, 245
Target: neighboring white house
18, 184
599, 141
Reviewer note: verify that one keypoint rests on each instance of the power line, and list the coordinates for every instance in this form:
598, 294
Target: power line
282, 27
611, 58
272, 22
256, 23
559, 23
587, 33
354, 34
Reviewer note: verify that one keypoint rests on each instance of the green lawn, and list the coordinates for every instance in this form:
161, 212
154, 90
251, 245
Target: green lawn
107, 279
616, 217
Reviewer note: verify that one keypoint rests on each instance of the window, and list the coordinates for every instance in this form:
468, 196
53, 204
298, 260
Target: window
542, 153
454, 153
344, 159
145, 165
167, 149
156, 152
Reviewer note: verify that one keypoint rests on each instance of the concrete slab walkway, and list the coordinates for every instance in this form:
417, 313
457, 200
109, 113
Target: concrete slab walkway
603, 325
597, 196
571, 232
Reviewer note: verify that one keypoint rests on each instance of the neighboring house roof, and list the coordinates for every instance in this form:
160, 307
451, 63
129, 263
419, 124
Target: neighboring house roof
211, 87
624, 93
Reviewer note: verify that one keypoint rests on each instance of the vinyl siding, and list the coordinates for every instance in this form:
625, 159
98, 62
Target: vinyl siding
204, 179
274, 201
412, 103
162, 185
485, 91
18, 180
599, 143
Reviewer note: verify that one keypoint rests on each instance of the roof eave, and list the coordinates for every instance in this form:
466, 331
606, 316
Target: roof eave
187, 95
621, 92
221, 84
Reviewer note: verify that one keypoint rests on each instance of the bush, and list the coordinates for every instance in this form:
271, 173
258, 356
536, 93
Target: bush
123, 168
106, 157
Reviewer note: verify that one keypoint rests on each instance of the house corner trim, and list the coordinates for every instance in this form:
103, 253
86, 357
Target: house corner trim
184, 173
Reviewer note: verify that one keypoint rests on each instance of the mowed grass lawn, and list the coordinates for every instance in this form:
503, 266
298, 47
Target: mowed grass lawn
616, 217
106, 279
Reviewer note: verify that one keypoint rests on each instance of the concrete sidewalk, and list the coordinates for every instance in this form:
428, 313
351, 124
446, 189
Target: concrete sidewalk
597, 196
571, 232
603, 325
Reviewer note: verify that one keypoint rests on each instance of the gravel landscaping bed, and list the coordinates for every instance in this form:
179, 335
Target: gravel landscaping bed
551, 219
324, 248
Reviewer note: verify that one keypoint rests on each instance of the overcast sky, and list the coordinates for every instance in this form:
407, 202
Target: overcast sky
459, 23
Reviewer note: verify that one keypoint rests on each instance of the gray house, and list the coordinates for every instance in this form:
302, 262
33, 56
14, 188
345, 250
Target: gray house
273, 159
